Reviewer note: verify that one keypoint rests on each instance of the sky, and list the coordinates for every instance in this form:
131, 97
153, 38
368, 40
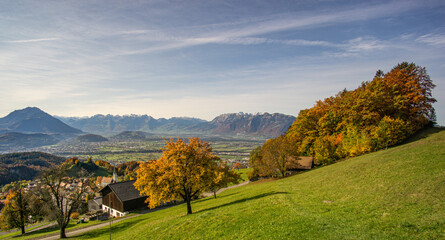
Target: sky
203, 58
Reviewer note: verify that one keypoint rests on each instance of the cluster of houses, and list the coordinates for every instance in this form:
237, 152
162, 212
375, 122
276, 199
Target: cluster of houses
115, 198
67, 185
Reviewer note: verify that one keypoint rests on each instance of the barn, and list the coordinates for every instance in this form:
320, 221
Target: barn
121, 197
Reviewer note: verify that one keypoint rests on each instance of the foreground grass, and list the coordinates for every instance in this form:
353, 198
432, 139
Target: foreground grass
391, 194
47, 231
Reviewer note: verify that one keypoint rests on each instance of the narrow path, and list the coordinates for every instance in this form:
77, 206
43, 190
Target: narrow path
35, 227
207, 194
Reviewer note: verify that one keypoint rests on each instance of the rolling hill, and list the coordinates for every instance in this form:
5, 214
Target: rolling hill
25, 165
390, 194
133, 136
15, 141
91, 138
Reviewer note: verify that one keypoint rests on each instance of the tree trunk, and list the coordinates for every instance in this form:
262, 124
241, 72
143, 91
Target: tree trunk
214, 194
62, 232
283, 172
21, 210
189, 205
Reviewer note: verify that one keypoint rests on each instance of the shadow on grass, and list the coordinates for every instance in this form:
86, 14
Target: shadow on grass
49, 229
423, 133
243, 200
120, 227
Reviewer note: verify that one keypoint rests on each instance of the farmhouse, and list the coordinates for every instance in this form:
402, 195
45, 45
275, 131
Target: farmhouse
120, 198
305, 163
300, 163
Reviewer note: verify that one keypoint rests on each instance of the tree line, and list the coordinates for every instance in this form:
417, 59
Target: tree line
378, 114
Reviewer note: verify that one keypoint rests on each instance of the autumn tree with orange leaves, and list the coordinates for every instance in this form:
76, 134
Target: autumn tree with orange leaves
182, 172
17, 209
378, 114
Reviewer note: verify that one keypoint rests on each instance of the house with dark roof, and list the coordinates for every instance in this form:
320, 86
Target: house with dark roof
300, 163
120, 198
95, 204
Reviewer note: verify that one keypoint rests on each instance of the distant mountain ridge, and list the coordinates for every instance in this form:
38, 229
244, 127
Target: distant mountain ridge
112, 124
34, 120
32, 127
265, 125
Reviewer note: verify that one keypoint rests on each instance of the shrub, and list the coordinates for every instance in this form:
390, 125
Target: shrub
252, 175
75, 215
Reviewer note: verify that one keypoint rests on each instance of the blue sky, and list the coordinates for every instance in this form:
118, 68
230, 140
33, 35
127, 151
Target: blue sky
204, 58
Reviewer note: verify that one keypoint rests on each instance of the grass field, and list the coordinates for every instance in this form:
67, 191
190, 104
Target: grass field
391, 194
47, 231
243, 172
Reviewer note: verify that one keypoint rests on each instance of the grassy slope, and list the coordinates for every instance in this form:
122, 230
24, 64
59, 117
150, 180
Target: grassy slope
397, 193
54, 229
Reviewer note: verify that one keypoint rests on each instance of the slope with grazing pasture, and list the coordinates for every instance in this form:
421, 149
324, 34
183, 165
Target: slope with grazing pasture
397, 193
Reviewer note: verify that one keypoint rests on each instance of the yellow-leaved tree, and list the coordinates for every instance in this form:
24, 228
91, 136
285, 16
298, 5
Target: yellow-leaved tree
183, 171
223, 177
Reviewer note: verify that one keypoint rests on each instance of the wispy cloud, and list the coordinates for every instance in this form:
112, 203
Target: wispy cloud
32, 40
432, 39
364, 44
202, 58
133, 32
256, 40
246, 32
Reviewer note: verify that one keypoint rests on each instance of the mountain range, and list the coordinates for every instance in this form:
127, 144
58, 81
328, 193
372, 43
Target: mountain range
113, 124
32, 127
240, 124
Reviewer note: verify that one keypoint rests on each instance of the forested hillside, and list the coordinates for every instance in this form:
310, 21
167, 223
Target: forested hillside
25, 166
378, 114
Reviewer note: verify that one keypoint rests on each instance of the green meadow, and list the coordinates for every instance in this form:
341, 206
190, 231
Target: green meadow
398, 193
